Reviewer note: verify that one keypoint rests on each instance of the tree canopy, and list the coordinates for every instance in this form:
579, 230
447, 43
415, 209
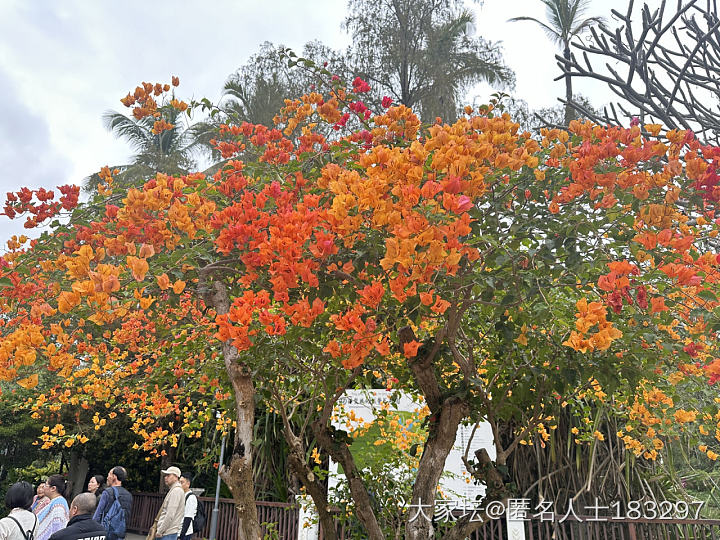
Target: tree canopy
496, 275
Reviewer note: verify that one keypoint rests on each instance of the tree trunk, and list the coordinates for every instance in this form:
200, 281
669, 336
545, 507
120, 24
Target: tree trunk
487, 472
77, 471
316, 491
238, 475
340, 452
569, 111
441, 438
166, 461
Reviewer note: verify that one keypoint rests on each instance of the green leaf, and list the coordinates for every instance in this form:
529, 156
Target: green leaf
707, 295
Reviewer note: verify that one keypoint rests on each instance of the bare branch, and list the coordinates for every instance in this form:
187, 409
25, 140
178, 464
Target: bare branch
667, 72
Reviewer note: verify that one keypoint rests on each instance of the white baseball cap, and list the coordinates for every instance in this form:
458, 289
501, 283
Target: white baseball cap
172, 470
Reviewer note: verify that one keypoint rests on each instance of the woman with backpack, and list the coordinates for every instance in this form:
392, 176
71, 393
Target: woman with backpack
21, 523
57, 513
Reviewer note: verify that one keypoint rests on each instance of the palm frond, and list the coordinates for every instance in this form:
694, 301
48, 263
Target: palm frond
554, 36
564, 19
586, 24
129, 129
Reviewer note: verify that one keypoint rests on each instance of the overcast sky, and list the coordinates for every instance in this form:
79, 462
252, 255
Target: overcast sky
62, 64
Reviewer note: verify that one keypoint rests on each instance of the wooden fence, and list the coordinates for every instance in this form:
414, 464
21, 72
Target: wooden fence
626, 529
283, 518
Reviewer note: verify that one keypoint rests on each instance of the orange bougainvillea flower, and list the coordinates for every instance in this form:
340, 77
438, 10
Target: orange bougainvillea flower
67, 301
146, 250
139, 267
29, 382
163, 281
410, 349
178, 286
658, 304
426, 298
440, 306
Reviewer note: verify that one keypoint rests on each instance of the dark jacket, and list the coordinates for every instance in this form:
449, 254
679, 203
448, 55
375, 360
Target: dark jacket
106, 500
81, 527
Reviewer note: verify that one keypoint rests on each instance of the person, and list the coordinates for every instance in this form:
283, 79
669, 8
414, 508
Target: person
81, 526
96, 485
56, 514
172, 511
191, 506
20, 520
40, 500
115, 478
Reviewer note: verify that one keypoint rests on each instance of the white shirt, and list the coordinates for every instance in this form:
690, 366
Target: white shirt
9, 530
190, 510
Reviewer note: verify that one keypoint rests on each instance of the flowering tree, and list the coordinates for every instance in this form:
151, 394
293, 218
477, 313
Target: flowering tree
500, 277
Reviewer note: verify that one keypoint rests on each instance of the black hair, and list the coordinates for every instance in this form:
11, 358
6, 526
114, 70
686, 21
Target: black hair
120, 473
19, 495
58, 481
100, 479
187, 476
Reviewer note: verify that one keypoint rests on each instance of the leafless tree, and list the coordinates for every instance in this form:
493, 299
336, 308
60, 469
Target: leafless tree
665, 68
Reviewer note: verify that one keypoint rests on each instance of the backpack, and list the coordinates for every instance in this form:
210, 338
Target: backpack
28, 535
113, 519
200, 519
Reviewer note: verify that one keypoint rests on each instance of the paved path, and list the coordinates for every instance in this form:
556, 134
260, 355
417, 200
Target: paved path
133, 536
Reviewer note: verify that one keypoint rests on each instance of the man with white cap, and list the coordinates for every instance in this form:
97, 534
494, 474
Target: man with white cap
170, 518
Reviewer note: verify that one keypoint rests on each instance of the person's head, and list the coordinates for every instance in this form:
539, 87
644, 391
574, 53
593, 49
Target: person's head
56, 486
95, 482
83, 504
185, 481
19, 495
41, 489
116, 476
172, 475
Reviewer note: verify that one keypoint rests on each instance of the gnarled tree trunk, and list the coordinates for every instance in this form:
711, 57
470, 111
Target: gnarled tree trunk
432, 463
314, 488
340, 452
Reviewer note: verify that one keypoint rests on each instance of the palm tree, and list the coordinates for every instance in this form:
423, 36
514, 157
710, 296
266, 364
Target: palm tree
452, 62
255, 100
172, 152
564, 22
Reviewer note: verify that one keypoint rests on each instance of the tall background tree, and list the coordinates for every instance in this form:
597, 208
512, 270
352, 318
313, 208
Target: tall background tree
257, 91
421, 54
565, 21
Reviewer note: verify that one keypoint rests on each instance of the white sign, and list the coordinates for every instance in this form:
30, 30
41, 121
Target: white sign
358, 407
